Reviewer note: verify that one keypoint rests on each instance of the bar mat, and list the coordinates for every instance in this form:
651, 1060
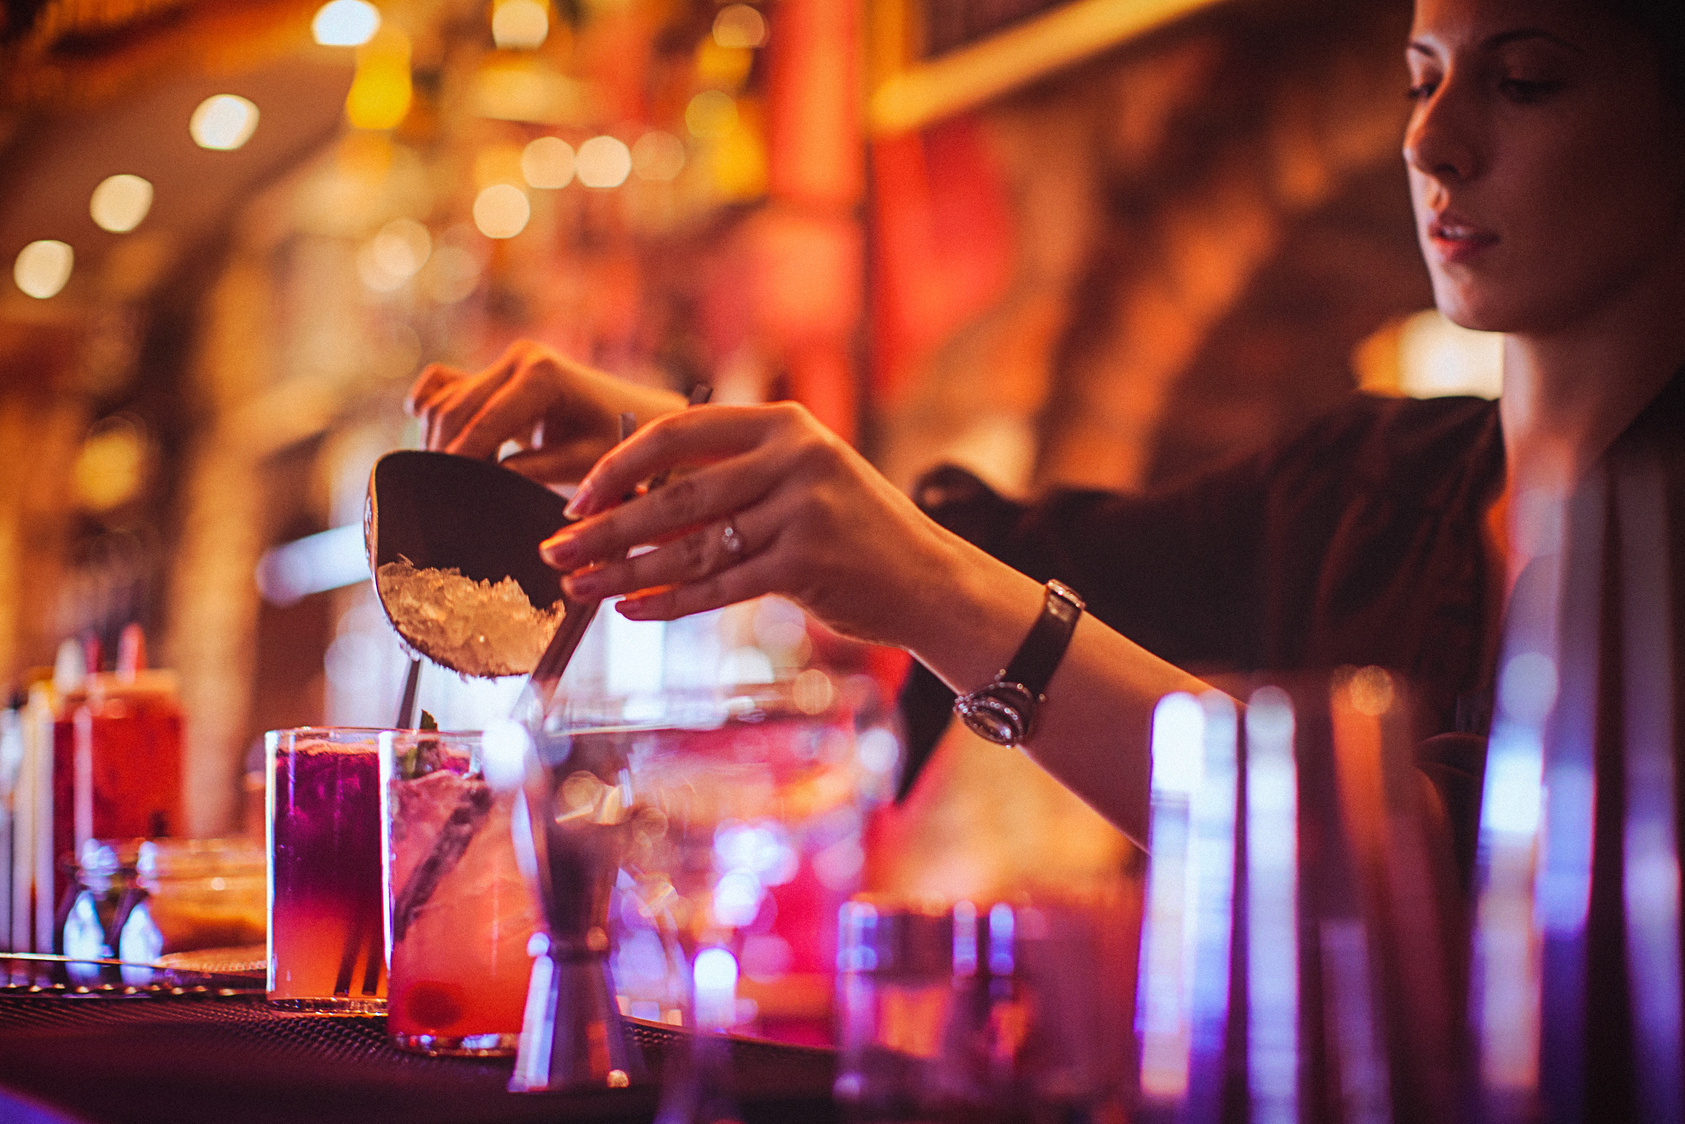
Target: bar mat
189, 1060
41, 975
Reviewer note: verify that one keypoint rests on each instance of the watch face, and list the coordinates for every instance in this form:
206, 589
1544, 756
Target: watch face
1000, 712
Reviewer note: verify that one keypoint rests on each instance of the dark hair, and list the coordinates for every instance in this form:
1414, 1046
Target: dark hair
1662, 22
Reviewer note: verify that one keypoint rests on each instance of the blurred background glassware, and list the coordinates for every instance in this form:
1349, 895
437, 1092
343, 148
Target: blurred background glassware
194, 894
962, 1012
327, 913
762, 793
751, 808
463, 912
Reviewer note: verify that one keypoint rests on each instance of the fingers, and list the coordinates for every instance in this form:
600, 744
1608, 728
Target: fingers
434, 385
435, 380
693, 558
452, 411
738, 583
706, 495
705, 433
507, 404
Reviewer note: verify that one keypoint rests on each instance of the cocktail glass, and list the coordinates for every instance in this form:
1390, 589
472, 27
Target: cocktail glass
463, 912
327, 923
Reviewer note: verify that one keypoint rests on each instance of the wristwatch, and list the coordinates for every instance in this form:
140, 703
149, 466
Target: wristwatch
1004, 709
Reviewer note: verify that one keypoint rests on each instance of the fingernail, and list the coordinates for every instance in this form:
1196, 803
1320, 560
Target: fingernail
560, 549
580, 504
584, 585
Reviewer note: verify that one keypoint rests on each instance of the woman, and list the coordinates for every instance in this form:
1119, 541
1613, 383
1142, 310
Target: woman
1546, 158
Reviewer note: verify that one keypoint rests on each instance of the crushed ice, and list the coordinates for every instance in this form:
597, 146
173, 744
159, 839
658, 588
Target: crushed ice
478, 628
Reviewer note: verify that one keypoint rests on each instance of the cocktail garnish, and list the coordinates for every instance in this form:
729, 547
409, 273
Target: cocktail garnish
423, 756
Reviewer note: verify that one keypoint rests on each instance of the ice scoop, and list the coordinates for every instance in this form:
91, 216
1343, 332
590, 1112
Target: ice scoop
439, 511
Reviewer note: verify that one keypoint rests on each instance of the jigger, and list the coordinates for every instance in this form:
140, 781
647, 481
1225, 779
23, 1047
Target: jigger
577, 811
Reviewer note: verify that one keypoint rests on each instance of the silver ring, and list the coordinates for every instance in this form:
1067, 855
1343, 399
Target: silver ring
730, 540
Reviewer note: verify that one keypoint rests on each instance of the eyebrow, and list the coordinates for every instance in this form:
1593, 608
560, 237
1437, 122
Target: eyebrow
1502, 39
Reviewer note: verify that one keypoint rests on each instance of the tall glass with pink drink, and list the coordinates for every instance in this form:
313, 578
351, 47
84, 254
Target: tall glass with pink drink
462, 913
327, 913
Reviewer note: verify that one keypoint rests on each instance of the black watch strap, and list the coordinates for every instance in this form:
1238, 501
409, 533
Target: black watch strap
1004, 710
1038, 657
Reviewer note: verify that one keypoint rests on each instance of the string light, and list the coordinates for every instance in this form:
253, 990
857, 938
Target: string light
223, 123
739, 25
520, 25
547, 162
43, 267
603, 162
501, 211
120, 202
345, 23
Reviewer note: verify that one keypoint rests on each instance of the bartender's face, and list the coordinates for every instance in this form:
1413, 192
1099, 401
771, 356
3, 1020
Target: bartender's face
1546, 164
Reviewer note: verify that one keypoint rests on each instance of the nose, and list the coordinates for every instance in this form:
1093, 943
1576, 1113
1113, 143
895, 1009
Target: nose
1441, 140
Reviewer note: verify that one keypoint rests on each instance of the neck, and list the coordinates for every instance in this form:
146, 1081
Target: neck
1569, 393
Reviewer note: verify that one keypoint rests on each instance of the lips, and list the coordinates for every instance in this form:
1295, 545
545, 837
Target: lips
1456, 239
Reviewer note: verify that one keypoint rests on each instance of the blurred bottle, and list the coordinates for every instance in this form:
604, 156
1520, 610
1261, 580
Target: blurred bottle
116, 768
33, 889
11, 764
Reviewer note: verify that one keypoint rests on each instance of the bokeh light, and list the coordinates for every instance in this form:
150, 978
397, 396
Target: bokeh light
452, 274
394, 255
501, 211
380, 92
345, 23
658, 156
110, 469
120, 202
520, 25
603, 162
712, 113
223, 122
547, 162
738, 25
42, 268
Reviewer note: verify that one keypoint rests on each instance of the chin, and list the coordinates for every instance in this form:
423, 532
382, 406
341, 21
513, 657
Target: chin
1467, 310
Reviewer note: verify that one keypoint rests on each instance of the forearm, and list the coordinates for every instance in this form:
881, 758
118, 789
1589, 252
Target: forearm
1094, 728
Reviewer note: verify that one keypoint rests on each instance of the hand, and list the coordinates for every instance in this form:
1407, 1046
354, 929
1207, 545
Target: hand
565, 414
811, 520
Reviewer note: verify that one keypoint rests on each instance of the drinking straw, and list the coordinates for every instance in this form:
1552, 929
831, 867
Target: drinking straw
406, 704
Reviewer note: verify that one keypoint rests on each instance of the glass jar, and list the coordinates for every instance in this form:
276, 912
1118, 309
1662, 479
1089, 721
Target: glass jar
195, 894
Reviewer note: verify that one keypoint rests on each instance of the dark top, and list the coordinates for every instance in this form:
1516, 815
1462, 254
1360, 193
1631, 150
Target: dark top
1357, 541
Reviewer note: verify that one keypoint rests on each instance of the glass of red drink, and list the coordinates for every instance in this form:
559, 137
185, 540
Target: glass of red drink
327, 912
463, 913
